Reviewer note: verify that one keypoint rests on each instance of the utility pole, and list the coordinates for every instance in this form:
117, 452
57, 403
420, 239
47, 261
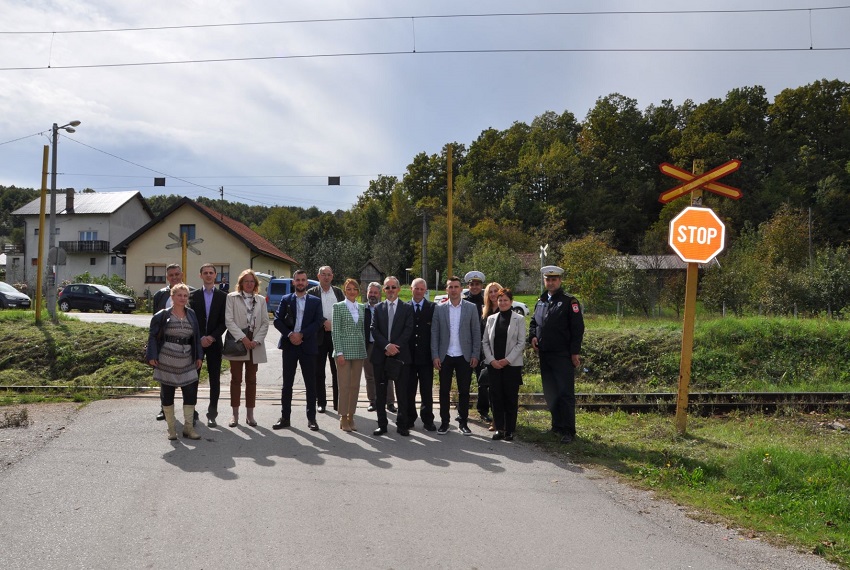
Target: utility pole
450, 246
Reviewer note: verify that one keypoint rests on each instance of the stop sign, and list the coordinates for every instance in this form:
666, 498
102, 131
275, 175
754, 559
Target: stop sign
697, 235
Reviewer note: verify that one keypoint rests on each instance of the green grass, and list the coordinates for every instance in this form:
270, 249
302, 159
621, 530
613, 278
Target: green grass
785, 477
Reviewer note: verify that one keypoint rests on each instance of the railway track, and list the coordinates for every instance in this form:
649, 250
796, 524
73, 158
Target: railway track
702, 403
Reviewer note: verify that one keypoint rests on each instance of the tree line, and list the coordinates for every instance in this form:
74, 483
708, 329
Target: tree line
560, 180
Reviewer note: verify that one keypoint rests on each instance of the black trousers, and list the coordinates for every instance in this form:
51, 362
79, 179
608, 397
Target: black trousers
292, 357
421, 379
326, 352
190, 394
401, 394
484, 398
212, 354
558, 376
504, 394
458, 366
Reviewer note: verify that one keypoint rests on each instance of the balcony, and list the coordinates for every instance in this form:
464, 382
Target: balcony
95, 246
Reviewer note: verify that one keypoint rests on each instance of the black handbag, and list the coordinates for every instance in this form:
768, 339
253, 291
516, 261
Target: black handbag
393, 367
233, 347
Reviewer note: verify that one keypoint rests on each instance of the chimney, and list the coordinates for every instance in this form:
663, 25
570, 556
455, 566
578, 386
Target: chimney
69, 201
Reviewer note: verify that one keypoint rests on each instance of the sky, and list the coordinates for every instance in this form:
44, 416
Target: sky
357, 88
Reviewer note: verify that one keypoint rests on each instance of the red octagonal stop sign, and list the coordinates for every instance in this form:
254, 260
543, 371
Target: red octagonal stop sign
697, 235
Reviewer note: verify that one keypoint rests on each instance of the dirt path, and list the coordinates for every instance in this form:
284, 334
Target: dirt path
46, 422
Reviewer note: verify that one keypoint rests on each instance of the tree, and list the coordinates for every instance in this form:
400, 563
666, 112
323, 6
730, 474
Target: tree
588, 268
498, 262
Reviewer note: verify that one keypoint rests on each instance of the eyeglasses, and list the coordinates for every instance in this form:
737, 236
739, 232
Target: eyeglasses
389, 287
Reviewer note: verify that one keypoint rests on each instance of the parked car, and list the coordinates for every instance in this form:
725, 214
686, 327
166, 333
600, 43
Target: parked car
278, 287
11, 298
518, 307
90, 297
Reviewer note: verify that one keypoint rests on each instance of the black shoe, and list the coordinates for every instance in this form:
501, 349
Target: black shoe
486, 419
464, 429
430, 427
194, 418
567, 438
403, 431
457, 418
498, 435
443, 430
380, 431
211, 422
320, 409
281, 423
371, 408
160, 417
391, 408
509, 436
312, 425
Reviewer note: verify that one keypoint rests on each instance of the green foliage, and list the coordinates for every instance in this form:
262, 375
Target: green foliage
498, 262
588, 269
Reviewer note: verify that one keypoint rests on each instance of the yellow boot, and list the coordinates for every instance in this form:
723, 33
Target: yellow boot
188, 430
169, 420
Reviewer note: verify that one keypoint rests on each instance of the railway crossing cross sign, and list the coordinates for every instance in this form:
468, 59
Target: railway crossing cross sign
697, 235
706, 181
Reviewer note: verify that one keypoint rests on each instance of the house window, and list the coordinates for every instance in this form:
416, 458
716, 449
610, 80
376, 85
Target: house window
92, 261
56, 232
34, 261
223, 272
189, 230
113, 260
154, 273
35, 231
88, 235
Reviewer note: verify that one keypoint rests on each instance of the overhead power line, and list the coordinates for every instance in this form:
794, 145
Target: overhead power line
429, 17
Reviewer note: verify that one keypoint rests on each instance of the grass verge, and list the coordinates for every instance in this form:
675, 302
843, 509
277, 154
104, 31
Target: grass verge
784, 477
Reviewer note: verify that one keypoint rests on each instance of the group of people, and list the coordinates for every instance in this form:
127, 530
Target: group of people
397, 344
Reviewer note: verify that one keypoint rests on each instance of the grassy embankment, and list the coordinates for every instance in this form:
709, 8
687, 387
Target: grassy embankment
784, 477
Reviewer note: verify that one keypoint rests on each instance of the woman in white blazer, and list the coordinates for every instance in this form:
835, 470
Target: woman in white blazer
246, 309
503, 343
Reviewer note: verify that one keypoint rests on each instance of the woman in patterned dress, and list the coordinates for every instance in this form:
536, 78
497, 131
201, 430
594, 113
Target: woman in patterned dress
349, 343
174, 350
246, 310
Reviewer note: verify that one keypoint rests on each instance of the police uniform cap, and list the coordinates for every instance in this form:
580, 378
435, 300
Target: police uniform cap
551, 271
474, 276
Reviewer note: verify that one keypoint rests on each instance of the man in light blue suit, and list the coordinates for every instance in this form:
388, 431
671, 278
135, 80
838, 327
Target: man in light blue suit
455, 346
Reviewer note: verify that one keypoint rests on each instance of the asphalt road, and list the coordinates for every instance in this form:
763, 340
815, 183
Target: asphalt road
112, 492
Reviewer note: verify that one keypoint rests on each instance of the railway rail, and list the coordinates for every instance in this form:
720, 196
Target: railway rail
702, 403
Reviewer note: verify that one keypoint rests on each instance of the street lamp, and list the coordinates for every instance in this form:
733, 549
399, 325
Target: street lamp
51, 237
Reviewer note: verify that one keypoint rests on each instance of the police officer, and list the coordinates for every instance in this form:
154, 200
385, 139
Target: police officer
556, 332
475, 295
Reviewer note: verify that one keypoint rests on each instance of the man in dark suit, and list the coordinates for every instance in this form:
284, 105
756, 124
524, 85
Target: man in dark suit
209, 304
298, 318
422, 367
455, 348
392, 327
162, 300
328, 295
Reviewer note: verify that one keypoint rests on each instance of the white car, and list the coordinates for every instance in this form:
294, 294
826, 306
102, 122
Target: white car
518, 307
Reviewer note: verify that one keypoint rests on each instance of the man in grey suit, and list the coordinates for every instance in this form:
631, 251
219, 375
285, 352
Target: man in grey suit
455, 346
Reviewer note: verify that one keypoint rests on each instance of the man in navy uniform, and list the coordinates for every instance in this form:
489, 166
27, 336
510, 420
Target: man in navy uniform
556, 332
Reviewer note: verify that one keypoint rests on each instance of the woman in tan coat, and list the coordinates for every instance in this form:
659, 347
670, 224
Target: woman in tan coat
246, 309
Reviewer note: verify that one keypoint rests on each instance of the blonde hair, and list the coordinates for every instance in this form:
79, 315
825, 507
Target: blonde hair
245, 274
182, 286
353, 281
488, 308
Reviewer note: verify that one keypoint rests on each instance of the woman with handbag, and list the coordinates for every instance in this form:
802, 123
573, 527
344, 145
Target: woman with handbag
349, 350
247, 320
174, 350
503, 344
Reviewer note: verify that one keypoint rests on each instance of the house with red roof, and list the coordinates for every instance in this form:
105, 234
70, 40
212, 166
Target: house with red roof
214, 238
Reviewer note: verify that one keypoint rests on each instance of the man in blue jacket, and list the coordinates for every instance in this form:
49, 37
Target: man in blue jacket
298, 318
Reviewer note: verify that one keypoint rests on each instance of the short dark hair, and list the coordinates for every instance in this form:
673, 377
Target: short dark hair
201, 270
506, 292
452, 278
299, 272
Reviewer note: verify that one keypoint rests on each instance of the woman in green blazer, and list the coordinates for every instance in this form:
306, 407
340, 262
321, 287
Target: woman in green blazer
349, 351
